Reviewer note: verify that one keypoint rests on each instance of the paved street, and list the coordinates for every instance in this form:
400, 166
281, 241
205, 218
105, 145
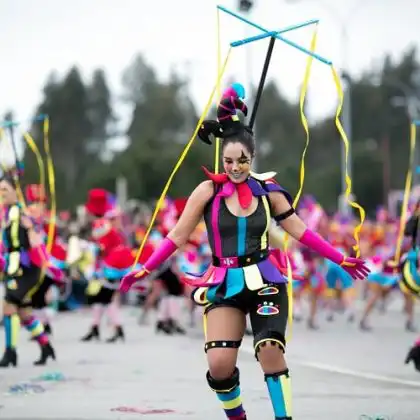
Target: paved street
338, 373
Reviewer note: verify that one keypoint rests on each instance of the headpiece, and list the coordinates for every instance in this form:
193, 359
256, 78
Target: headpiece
99, 202
35, 193
228, 123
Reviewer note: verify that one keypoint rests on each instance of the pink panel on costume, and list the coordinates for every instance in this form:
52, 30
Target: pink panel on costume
215, 226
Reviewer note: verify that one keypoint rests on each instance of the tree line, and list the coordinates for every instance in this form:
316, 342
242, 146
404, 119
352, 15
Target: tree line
163, 116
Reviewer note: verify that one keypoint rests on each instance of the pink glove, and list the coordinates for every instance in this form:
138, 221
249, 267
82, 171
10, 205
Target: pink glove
2, 263
165, 250
354, 266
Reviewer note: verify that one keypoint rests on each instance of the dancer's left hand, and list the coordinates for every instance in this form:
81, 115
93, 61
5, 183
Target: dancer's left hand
355, 267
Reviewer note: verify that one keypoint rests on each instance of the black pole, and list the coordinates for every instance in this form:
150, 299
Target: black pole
262, 81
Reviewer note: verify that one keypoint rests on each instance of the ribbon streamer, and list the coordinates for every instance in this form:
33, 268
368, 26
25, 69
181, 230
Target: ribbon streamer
343, 135
181, 159
51, 185
305, 125
407, 190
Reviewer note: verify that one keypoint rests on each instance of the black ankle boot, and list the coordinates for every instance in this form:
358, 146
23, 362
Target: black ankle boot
92, 334
46, 352
175, 327
164, 327
363, 325
414, 356
9, 358
410, 327
119, 335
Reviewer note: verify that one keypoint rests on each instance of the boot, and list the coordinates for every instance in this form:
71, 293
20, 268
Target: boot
164, 327
414, 356
311, 325
119, 335
410, 327
46, 352
92, 334
363, 325
175, 327
9, 358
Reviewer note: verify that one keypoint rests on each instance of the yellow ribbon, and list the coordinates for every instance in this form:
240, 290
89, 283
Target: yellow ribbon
181, 159
51, 185
305, 124
303, 118
343, 135
218, 89
407, 190
35, 150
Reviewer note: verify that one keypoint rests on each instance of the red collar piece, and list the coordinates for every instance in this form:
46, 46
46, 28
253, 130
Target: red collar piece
228, 188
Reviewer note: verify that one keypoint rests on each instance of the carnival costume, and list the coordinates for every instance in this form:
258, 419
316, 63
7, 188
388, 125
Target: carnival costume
25, 271
35, 195
244, 274
169, 303
114, 260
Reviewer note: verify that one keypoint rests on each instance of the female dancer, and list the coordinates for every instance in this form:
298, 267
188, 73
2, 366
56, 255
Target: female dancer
26, 255
237, 207
36, 210
114, 259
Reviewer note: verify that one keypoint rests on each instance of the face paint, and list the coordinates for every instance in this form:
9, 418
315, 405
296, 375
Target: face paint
237, 162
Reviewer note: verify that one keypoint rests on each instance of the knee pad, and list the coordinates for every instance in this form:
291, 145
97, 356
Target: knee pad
223, 385
271, 337
222, 344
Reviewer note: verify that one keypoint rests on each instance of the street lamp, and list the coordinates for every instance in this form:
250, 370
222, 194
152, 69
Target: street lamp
245, 5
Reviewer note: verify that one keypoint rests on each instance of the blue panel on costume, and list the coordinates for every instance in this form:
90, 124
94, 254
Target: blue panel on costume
385, 280
211, 293
235, 282
337, 275
276, 396
241, 235
114, 273
8, 330
58, 263
229, 396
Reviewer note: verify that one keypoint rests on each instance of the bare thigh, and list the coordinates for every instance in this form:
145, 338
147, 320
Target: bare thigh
224, 324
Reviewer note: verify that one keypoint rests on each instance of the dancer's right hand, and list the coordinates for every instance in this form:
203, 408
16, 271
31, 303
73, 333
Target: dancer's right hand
129, 279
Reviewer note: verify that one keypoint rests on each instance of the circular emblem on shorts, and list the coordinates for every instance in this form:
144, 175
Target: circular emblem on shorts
268, 291
267, 309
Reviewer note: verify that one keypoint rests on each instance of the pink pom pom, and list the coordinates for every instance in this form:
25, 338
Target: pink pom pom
229, 93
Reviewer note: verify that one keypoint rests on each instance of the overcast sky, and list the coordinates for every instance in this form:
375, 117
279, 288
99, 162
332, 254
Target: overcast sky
39, 36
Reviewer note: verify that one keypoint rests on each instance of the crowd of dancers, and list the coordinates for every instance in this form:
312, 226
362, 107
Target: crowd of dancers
232, 265
92, 254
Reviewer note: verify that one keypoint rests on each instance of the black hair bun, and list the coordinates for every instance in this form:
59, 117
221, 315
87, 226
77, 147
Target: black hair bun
228, 123
209, 127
